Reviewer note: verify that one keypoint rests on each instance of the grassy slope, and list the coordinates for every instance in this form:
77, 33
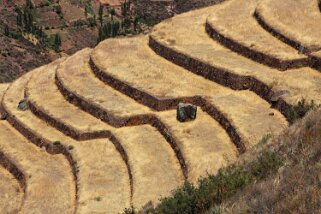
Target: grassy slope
296, 188
279, 175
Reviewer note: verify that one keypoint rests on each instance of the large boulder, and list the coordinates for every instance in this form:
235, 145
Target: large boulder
186, 112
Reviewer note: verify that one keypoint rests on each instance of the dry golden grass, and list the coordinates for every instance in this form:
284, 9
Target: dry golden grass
80, 80
296, 20
131, 61
207, 139
205, 145
11, 193
234, 20
93, 157
155, 168
296, 186
49, 180
303, 82
43, 93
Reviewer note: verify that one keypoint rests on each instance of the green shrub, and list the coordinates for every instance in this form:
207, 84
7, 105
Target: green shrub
268, 163
213, 190
56, 143
216, 210
58, 9
92, 21
182, 201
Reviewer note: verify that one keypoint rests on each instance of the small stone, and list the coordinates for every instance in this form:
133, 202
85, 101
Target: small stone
147, 208
301, 49
23, 104
186, 112
71, 96
271, 114
3, 116
279, 94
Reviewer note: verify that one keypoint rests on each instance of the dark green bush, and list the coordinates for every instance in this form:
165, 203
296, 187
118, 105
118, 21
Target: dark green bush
268, 163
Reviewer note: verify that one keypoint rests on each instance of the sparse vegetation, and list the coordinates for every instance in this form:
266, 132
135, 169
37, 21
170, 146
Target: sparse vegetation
299, 111
265, 138
98, 198
295, 188
267, 164
250, 186
215, 189
57, 42
56, 143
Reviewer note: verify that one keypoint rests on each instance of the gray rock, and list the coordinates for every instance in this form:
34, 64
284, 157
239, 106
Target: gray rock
279, 94
186, 112
147, 208
301, 49
23, 104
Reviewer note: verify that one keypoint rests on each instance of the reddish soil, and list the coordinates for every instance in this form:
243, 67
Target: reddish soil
50, 19
112, 3
71, 12
79, 39
18, 57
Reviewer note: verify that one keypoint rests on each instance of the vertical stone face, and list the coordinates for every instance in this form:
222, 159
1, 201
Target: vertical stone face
186, 112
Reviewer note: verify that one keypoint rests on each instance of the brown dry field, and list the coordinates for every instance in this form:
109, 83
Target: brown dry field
112, 3
99, 132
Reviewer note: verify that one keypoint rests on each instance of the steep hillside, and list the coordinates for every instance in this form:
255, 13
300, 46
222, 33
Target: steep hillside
295, 187
103, 121
36, 32
157, 10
